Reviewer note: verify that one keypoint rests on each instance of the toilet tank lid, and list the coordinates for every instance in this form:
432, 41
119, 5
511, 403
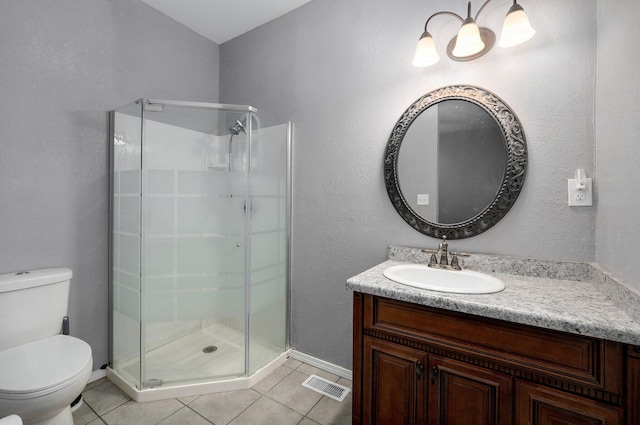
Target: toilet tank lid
32, 278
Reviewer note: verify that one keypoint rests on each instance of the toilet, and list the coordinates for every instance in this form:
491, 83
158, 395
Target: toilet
42, 370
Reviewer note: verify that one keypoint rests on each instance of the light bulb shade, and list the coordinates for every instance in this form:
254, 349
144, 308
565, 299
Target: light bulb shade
516, 28
426, 54
468, 41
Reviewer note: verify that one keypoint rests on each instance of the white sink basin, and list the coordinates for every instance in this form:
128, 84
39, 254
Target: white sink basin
455, 281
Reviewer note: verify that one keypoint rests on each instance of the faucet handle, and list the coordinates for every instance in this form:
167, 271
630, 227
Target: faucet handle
433, 259
454, 259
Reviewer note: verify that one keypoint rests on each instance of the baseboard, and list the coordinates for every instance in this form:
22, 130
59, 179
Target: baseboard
97, 374
321, 364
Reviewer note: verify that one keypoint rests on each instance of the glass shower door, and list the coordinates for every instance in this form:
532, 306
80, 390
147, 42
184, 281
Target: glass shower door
126, 318
194, 229
269, 230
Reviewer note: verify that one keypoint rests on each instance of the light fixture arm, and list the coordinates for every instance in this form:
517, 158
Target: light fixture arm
443, 13
481, 8
460, 18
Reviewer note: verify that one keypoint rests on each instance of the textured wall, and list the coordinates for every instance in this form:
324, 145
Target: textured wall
64, 65
618, 150
341, 71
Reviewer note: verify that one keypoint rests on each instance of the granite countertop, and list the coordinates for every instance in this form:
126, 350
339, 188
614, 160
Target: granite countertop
578, 298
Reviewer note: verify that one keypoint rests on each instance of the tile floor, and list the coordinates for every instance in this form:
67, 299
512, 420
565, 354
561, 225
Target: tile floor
279, 399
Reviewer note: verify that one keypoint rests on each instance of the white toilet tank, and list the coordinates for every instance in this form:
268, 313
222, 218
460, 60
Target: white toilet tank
32, 305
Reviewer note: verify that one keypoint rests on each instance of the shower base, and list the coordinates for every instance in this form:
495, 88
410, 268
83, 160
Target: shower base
189, 366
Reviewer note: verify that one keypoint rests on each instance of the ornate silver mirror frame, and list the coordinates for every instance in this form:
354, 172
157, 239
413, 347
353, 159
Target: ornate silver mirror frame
512, 182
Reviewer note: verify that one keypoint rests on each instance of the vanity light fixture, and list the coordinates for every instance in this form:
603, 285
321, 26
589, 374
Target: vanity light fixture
473, 41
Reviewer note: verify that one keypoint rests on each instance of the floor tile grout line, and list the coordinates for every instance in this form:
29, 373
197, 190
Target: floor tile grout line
284, 405
112, 409
187, 407
318, 402
186, 404
276, 384
198, 413
94, 412
304, 415
168, 416
243, 410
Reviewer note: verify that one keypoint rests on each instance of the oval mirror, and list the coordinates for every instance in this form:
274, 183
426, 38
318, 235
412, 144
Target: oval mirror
455, 162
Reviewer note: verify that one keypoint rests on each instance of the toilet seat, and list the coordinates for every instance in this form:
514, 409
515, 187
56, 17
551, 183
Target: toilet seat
42, 367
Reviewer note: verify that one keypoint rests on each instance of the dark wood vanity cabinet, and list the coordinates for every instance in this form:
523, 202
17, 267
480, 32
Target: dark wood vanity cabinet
421, 365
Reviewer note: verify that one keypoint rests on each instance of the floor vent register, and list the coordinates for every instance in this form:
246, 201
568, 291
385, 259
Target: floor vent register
325, 387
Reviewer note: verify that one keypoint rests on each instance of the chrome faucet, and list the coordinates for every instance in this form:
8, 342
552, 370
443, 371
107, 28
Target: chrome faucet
443, 252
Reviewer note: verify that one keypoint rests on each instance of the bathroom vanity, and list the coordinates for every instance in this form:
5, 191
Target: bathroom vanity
551, 348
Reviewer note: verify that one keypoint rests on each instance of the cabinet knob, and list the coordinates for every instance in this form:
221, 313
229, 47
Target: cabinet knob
419, 370
434, 375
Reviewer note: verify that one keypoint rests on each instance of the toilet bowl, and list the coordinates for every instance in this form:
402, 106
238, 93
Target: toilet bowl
40, 379
40, 375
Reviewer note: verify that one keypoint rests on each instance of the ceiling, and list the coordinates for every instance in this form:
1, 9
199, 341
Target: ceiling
222, 20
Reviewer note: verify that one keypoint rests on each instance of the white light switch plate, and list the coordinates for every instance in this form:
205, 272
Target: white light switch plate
423, 199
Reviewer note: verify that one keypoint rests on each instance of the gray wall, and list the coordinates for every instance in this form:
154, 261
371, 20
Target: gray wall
618, 147
341, 71
64, 65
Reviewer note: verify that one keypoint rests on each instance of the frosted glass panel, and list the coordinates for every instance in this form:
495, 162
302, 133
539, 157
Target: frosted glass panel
126, 187
160, 215
269, 262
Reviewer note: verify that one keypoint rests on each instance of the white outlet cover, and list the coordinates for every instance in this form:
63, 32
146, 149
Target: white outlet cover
580, 198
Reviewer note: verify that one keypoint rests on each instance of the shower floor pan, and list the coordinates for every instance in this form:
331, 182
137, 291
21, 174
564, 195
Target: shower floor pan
190, 365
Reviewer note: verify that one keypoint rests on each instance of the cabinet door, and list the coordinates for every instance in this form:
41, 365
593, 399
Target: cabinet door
538, 405
393, 384
463, 394
633, 387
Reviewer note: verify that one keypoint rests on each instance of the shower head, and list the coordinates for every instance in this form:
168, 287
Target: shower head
238, 127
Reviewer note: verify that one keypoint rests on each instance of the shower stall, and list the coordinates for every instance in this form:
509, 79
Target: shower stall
200, 206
